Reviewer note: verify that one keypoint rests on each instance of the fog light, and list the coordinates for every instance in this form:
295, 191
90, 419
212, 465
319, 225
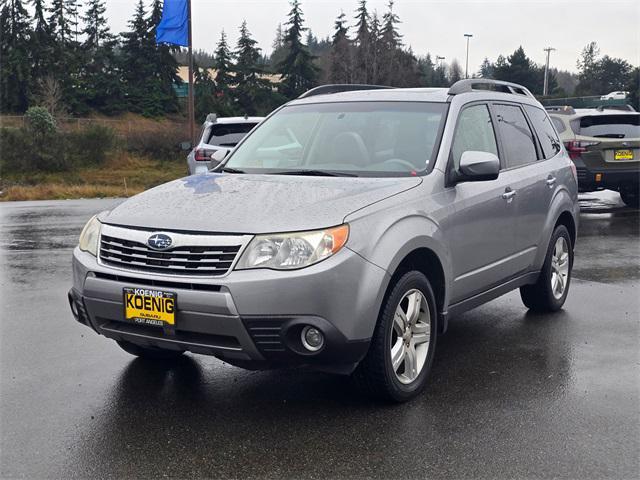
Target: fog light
312, 338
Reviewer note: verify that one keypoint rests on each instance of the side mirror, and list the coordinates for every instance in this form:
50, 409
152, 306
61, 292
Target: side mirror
185, 146
478, 166
219, 155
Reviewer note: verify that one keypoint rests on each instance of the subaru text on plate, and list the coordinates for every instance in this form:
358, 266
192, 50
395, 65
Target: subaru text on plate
341, 235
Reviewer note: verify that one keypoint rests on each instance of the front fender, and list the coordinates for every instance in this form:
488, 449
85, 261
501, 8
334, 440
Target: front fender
387, 243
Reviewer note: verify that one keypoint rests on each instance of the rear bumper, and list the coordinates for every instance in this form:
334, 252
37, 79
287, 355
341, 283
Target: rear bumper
590, 179
252, 319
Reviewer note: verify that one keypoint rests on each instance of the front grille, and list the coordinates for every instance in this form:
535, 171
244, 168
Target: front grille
208, 260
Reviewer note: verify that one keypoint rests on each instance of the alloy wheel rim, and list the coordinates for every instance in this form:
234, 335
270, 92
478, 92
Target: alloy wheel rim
410, 336
559, 267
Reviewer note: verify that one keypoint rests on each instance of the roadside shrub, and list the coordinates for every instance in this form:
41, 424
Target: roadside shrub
40, 122
160, 143
91, 145
24, 152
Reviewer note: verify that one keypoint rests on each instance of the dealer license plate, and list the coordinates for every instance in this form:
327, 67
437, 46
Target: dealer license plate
149, 307
623, 155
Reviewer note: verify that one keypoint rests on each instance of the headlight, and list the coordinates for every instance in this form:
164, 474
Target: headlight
89, 236
287, 251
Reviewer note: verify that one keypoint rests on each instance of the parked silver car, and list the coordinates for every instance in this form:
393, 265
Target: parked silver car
341, 235
222, 133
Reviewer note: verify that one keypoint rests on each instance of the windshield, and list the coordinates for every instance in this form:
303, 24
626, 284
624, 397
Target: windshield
228, 134
352, 138
611, 126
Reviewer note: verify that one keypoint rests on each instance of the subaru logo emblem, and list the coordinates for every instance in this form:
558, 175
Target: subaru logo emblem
159, 241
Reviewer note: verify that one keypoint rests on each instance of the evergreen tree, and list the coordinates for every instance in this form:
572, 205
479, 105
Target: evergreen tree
375, 49
15, 74
63, 21
100, 75
297, 69
427, 71
165, 65
41, 42
135, 65
205, 93
224, 79
252, 90
390, 47
486, 69
340, 54
362, 43
455, 72
518, 68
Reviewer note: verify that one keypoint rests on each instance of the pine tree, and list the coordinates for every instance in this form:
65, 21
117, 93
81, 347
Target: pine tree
41, 42
100, 76
390, 45
455, 72
205, 93
362, 41
15, 74
340, 54
252, 90
297, 69
135, 65
486, 69
375, 47
63, 20
165, 65
224, 79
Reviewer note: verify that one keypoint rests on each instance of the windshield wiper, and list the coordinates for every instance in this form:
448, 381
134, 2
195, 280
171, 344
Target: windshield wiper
316, 173
232, 170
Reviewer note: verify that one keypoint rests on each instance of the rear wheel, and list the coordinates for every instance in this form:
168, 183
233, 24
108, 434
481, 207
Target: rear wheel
630, 196
399, 359
149, 352
549, 293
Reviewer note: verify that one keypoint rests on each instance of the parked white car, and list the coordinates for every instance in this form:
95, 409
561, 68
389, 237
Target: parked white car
615, 96
218, 134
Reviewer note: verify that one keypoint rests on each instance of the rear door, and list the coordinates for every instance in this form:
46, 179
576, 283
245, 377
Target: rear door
527, 177
480, 234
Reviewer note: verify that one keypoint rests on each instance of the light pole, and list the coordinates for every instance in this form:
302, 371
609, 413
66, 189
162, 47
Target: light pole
439, 59
466, 66
546, 71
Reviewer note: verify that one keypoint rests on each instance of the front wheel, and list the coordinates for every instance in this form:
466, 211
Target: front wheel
399, 359
549, 293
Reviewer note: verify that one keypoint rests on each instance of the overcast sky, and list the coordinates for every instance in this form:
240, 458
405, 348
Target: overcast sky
438, 26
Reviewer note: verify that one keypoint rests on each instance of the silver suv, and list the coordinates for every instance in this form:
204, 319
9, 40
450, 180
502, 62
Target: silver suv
341, 235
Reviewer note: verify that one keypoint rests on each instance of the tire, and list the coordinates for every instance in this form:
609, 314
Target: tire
631, 197
376, 375
148, 352
544, 295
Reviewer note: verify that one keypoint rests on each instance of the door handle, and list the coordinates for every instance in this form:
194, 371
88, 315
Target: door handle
551, 180
509, 194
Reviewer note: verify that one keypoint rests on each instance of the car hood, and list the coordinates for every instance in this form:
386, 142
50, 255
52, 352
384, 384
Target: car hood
238, 203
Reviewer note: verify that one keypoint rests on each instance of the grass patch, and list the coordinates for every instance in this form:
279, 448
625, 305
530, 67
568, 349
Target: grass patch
123, 174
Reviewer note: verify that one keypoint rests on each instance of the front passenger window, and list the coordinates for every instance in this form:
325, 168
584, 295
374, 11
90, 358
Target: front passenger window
474, 132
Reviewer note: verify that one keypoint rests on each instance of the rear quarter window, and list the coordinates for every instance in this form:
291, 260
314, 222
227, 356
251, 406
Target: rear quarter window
546, 134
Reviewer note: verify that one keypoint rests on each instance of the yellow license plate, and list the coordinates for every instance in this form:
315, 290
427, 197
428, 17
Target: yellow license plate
149, 307
623, 155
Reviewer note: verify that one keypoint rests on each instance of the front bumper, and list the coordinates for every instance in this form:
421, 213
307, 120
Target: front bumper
250, 318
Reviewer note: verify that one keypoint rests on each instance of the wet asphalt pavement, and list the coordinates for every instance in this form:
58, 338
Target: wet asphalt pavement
512, 394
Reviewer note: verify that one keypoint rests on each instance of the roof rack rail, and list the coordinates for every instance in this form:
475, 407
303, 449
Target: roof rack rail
561, 109
337, 88
466, 85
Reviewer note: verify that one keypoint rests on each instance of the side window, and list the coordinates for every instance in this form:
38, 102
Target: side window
546, 134
516, 136
559, 124
473, 132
